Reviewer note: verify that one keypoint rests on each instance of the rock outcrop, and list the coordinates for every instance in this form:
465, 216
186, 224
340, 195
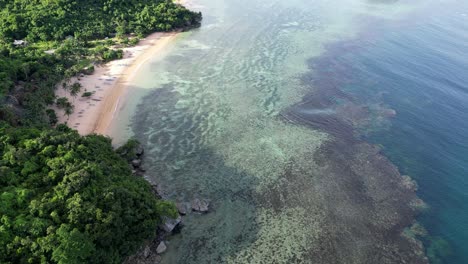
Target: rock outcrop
161, 248
169, 224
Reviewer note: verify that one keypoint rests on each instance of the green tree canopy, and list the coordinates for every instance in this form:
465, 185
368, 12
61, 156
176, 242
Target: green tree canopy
88, 19
69, 29
70, 199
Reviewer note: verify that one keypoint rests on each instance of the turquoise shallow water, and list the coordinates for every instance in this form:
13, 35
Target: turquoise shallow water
263, 110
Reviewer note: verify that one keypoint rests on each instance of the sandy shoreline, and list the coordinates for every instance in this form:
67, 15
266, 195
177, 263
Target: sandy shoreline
108, 84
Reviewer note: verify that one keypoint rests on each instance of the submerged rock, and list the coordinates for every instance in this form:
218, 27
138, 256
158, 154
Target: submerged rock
139, 151
409, 183
418, 230
418, 205
182, 208
161, 248
389, 113
200, 205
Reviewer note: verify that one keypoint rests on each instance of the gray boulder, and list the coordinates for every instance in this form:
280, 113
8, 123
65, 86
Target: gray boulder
146, 252
136, 163
161, 248
169, 224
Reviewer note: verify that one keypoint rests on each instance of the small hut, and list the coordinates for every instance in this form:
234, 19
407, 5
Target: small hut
20, 43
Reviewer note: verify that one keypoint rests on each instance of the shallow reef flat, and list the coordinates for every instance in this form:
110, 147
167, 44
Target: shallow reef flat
287, 177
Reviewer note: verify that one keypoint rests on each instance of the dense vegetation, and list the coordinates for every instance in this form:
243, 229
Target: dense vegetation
70, 199
65, 198
45, 20
71, 30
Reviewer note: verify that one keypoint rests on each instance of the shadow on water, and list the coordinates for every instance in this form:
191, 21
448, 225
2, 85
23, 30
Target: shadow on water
184, 169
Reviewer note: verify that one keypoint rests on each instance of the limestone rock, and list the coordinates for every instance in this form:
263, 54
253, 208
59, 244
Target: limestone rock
161, 248
136, 163
169, 224
146, 252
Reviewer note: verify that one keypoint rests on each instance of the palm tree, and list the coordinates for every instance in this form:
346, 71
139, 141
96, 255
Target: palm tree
62, 102
74, 90
65, 85
69, 110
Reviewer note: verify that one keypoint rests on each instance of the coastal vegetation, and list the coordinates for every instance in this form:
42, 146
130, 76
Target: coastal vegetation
71, 199
66, 198
44, 42
41, 20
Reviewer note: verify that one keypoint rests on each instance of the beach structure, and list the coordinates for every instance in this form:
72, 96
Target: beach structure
20, 42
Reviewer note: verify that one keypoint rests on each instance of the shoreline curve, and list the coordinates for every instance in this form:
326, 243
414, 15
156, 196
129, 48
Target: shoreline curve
109, 83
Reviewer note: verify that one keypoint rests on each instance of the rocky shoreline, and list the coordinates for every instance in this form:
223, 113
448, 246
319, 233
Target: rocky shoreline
151, 252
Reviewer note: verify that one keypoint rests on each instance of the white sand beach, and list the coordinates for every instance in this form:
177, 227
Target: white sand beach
108, 84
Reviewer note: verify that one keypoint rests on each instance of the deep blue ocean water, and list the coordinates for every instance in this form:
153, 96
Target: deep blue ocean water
419, 68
